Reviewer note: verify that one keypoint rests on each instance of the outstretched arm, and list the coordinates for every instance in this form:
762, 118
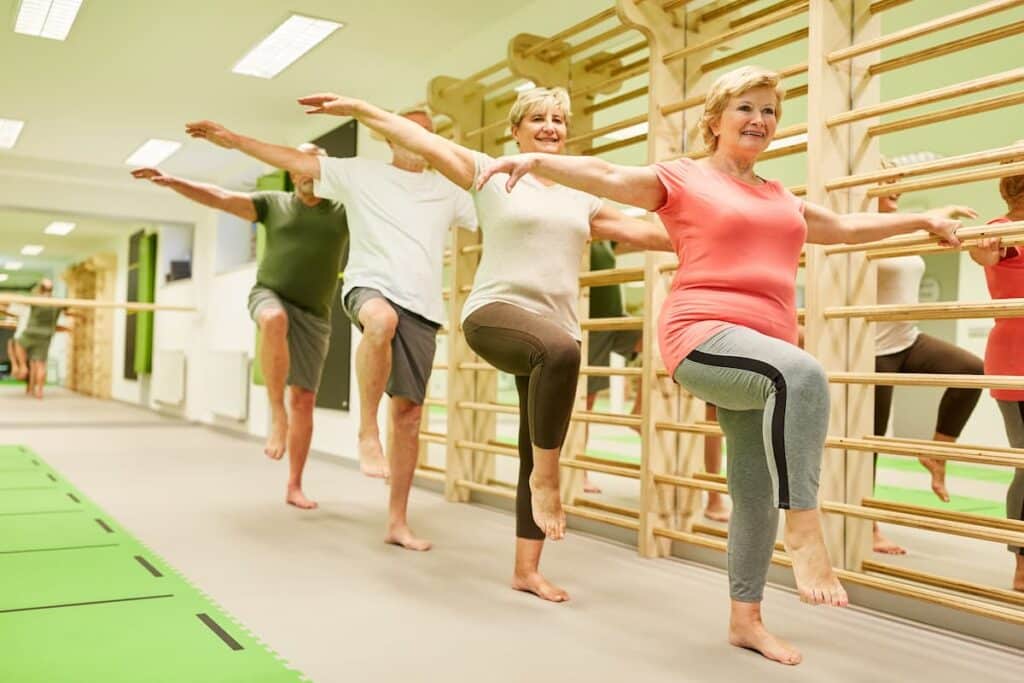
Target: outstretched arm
635, 185
611, 224
279, 156
236, 203
453, 160
825, 226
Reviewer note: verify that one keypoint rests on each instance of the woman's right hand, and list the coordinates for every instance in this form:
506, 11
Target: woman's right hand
945, 229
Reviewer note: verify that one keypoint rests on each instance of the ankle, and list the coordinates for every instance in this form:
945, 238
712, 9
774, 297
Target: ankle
544, 479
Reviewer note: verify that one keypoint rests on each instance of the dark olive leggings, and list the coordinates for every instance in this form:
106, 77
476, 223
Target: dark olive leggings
545, 360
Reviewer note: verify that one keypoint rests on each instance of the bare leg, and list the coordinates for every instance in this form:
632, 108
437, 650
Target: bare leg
937, 468
403, 452
747, 630
812, 568
589, 486
545, 494
300, 433
716, 508
1018, 576
373, 365
273, 324
19, 363
882, 544
527, 575
37, 372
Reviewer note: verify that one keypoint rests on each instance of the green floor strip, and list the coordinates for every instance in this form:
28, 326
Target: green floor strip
927, 499
83, 600
953, 469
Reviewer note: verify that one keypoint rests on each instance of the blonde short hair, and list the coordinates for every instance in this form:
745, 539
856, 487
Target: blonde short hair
1012, 187
548, 98
733, 84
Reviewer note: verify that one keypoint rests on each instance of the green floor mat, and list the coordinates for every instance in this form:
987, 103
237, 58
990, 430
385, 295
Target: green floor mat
82, 600
926, 498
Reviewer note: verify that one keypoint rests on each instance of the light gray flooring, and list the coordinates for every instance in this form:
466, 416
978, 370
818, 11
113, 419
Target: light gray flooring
322, 590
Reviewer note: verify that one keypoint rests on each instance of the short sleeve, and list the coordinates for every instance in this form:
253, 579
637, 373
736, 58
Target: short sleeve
261, 202
595, 204
480, 162
465, 211
673, 176
335, 177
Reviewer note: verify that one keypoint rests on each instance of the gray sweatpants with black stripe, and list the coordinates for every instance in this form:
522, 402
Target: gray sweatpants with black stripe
1013, 418
773, 405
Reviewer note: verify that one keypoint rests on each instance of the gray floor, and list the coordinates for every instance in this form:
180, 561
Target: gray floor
322, 590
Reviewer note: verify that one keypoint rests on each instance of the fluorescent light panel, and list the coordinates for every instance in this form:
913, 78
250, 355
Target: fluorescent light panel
153, 152
289, 41
3, 277
13, 265
47, 18
61, 228
10, 129
32, 249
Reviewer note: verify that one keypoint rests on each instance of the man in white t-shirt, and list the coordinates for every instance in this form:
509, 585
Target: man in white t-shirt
399, 215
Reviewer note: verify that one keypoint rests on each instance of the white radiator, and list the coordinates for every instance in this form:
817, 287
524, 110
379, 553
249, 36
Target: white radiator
169, 377
228, 377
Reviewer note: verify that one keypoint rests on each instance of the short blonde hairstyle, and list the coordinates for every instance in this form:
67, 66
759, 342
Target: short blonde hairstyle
546, 98
733, 84
1012, 187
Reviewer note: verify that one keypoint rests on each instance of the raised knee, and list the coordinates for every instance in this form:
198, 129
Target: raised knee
380, 324
274, 321
407, 414
564, 353
807, 379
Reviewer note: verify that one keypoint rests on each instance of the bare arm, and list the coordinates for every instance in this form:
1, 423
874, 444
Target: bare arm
611, 224
278, 156
236, 203
827, 227
454, 161
635, 185
988, 252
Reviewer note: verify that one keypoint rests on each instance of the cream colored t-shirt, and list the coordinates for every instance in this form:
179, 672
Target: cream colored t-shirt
899, 280
533, 241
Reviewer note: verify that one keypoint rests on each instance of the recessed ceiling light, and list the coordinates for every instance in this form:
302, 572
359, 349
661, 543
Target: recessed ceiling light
13, 265
32, 249
47, 18
10, 129
153, 152
529, 85
626, 133
59, 228
289, 41
3, 277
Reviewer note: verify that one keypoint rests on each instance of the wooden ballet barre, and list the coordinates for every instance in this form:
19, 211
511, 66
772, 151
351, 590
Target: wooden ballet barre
495, 448
606, 507
760, 13
909, 379
717, 532
435, 402
766, 46
614, 101
1000, 308
497, 125
947, 48
948, 515
601, 371
925, 523
618, 76
883, 5
988, 156
722, 10
618, 144
54, 302
628, 322
598, 132
976, 107
936, 581
977, 456
938, 94
954, 445
615, 520
491, 489
598, 62
607, 418
571, 31
604, 461
1014, 240
430, 474
473, 78
488, 407
501, 83
691, 428
669, 5
727, 36
922, 238
604, 469
974, 176
922, 29
604, 37
478, 367
434, 437
611, 276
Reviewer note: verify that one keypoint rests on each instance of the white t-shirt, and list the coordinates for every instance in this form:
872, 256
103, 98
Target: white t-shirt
534, 239
899, 280
398, 222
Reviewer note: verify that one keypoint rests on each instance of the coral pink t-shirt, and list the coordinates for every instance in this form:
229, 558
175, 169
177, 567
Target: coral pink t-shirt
1004, 352
739, 248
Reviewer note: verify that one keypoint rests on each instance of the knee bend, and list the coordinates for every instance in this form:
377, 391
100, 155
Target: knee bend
380, 325
563, 355
807, 380
408, 415
301, 400
274, 322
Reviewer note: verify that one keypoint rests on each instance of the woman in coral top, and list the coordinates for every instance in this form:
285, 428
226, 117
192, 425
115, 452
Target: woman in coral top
728, 330
1004, 352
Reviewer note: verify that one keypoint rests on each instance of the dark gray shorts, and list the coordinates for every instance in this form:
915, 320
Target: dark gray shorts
412, 349
600, 345
37, 347
308, 337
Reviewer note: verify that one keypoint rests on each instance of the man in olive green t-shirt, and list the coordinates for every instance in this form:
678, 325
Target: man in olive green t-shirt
306, 249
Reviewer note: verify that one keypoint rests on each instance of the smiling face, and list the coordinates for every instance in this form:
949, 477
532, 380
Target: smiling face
747, 124
542, 129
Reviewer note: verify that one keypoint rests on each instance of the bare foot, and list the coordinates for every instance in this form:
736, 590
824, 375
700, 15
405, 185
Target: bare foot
754, 636
937, 468
815, 580
278, 436
589, 486
881, 544
297, 498
547, 507
539, 586
372, 462
716, 509
403, 536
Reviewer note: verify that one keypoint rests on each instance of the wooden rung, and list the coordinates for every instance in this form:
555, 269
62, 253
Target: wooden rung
978, 455
495, 448
1001, 308
947, 114
893, 379
926, 523
488, 407
430, 474
629, 96
957, 90
613, 324
611, 276
604, 469
729, 36
604, 461
760, 13
989, 156
947, 48
690, 483
698, 100
766, 46
612, 146
949, 515
946, 444
606, 507
720, 532
435, 402
603, 37
958, 585
598, 371
709, 476
922, 238
429, 468
706, 429
723, 10
54, 302
615, 520
624, 73
607, 419
496, 125
473, 78
434, 437
486, 488
478, 367
1008, 241
883, 5
440, 366
604, 130
589, 22
972, 176
922, 29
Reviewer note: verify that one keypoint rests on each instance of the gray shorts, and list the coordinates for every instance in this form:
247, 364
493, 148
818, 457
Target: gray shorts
412, 349
37, 347
308, 337
600, 345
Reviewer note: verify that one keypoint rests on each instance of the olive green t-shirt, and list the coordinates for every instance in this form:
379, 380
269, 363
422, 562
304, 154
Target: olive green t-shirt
306, 248
42, 321
605, 302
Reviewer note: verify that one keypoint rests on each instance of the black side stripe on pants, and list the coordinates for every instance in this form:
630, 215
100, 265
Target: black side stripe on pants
778, 417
